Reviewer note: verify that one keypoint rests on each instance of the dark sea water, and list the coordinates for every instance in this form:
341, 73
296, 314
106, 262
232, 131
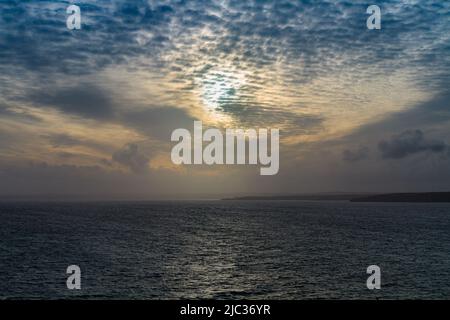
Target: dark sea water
225, 250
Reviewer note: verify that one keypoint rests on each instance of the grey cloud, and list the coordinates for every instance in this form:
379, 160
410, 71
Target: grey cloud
46, 179
409, 143
249, 113
158, 122
304, 124
250, 32
355, 155
61, 140
131, 157
429, 114
18, 115
35, 36
83, 100
65, 155
106, 162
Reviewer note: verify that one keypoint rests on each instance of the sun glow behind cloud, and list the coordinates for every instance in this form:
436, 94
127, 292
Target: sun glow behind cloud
220, 87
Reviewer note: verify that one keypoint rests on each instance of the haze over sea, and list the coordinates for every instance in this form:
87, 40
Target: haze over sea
224, 249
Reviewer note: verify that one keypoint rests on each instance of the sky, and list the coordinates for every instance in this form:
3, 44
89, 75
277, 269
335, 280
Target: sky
90, 111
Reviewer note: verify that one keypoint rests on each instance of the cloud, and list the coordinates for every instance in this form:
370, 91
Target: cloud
145, 68
355, 155
85, 100
46, 179
409, 143
257, 33
195, 41
158, 122
17, 114
62, 140
130, 157
431, 114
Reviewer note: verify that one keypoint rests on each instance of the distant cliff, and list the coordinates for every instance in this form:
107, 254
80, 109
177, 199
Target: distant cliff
406, 197
305, 197
355, 197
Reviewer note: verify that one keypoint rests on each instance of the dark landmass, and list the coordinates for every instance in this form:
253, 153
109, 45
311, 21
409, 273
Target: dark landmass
406, 197
355, 197
311, 197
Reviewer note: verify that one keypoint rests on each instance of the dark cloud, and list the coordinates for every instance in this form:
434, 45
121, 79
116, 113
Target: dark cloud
85, 100
62, 140
430, 114
17, 114
45, 179
355, 155
131, 157
157, 122
258, 33
304, 124
34, 34
323, 36
66, 155
106, 162
409, 143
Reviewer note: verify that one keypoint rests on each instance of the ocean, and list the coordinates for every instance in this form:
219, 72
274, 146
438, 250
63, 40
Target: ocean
224, 250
